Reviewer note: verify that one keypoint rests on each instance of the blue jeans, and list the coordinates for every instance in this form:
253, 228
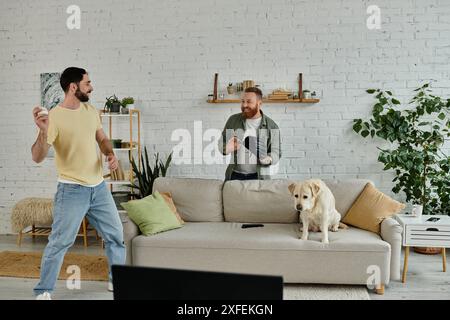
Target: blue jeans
72, 203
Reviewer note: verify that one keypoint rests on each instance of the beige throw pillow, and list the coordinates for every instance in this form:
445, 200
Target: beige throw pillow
371, 208
168, 198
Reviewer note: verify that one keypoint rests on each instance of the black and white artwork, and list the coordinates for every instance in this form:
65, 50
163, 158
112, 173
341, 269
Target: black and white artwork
51, 92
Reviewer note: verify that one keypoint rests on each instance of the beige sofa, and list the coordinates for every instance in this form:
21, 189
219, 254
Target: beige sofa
212, 238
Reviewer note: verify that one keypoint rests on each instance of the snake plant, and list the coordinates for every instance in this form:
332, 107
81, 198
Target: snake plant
145, 178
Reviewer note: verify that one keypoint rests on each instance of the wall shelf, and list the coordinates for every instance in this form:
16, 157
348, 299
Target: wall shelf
298, 100
108, 114
267, 101
125, 149
117, 182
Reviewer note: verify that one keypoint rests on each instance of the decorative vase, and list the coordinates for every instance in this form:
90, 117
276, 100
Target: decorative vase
230, 90
417, 210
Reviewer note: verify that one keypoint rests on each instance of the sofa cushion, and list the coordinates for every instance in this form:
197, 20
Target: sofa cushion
272, 249
346, 192
152, 214
195, 199
258, 201
371, 208
168, 198
273, 236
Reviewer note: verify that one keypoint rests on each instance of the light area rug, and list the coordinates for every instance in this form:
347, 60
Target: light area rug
324, 292
22, 288
28, 265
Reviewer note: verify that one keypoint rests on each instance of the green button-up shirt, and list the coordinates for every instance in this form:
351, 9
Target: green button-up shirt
268, 128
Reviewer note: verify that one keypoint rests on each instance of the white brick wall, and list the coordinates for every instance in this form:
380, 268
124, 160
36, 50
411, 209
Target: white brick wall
164, 53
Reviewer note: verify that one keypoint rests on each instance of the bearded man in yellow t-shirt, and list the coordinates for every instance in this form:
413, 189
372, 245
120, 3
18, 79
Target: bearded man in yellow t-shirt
74, 130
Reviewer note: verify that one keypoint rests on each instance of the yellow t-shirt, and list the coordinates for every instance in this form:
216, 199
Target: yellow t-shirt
72, 134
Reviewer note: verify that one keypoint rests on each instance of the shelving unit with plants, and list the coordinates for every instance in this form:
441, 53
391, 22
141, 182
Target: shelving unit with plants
300, 98
132, 147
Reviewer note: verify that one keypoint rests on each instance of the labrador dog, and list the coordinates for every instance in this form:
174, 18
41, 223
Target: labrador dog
316, 205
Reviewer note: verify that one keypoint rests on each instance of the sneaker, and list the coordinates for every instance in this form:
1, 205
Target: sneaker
44, 296
110, 286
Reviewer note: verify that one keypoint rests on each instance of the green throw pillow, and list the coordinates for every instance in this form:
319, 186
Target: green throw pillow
151, 214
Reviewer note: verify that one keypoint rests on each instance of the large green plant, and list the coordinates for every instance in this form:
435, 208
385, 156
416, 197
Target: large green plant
417, 134
145, 178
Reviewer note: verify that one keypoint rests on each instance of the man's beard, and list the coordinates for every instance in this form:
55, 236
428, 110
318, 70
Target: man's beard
83, 97
249, 113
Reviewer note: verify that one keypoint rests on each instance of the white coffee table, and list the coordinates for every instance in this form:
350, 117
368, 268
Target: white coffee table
419, 232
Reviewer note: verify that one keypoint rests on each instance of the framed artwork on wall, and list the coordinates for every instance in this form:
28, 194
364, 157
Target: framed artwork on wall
51, 92
51, 95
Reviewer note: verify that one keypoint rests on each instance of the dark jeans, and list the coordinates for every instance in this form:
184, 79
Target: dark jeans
241, 176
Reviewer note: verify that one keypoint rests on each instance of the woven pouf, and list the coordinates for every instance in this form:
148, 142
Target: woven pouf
32, 211
38, 214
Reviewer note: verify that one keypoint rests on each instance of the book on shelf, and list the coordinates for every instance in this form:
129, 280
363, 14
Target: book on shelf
280, 94
278, 97
279, 91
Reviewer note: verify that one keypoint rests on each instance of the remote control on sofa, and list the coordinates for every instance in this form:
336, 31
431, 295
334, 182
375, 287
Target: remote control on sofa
252, 225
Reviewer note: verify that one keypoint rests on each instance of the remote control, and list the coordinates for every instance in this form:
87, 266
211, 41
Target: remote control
252, 225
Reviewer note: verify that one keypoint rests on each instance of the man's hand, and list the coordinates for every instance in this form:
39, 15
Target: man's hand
40, 120
232, 145
113, 163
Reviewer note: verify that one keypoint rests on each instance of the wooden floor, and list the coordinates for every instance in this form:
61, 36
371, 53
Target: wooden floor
22, 289
425, 280
425, 277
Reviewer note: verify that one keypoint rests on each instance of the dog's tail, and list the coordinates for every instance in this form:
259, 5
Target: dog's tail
343, 225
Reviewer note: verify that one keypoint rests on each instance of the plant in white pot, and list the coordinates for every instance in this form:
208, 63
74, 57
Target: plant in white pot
127, 104
416, 154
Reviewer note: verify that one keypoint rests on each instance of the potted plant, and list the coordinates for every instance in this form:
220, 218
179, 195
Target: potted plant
147, 176
122, 196
416, 135
112, 104
127, 104
116, 143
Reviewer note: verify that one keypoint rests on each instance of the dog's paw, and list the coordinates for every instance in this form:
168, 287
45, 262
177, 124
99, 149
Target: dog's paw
325, 241
335, 228
304, 238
